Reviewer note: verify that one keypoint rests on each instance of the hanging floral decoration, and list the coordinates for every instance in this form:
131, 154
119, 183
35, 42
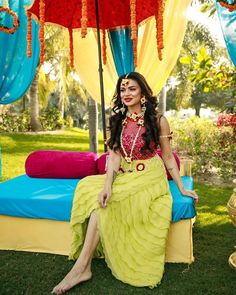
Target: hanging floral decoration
159, 27
29, 34
71, 48
41, 28
158, 11
227, 4
133, 26
84, 18
15, 21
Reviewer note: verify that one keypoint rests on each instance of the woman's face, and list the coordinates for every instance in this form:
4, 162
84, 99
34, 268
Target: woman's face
130, 92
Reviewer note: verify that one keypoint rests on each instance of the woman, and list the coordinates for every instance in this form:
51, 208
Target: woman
125, 215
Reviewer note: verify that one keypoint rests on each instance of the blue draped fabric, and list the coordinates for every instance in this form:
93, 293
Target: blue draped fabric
122, 50
228, 23
16, 69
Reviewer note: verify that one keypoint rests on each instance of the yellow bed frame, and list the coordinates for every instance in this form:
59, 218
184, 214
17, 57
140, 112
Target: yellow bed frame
51, 236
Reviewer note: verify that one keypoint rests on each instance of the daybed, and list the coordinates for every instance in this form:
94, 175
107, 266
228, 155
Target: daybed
35, 214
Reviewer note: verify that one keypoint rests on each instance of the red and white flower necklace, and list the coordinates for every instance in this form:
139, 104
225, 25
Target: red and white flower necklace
139, 118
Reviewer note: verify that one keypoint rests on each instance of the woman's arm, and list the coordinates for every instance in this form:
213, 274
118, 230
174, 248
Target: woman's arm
113, 166
169, 159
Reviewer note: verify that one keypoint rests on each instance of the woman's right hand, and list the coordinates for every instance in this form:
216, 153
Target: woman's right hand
104, 196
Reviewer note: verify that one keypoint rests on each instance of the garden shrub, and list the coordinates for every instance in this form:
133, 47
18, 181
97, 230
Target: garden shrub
212, 148
51, 119
15, 122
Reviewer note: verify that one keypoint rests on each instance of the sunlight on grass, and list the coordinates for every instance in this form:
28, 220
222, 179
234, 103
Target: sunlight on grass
222, 209
16, 147
210, 274
213, 238
212, 219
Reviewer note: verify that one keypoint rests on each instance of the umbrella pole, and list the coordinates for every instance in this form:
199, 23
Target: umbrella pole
101, 77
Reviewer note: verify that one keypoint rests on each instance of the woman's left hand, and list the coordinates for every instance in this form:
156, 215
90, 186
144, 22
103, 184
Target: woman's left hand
191, 194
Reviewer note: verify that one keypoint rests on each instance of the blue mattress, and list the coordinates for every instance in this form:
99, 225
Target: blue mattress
28, 197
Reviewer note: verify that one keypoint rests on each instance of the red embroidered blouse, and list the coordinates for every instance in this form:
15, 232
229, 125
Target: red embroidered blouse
129, 133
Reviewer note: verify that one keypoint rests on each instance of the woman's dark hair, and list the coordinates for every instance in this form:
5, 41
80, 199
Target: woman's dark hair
150, 116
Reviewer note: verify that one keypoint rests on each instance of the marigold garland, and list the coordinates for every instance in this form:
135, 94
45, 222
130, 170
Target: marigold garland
135, 45
227, 5
29, 34
84, 18
159, 27
41, 28
104, 47
71, 48
15, 21
133, 27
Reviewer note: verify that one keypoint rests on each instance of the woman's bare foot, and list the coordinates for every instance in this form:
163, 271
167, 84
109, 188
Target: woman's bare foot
74, 277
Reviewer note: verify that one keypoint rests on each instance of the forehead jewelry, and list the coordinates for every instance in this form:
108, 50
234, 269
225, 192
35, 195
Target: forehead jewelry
125, 81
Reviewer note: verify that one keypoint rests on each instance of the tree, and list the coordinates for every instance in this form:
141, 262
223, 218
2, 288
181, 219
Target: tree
211, 80
196, 37
34, 105
93, 124
59, 82
57, 58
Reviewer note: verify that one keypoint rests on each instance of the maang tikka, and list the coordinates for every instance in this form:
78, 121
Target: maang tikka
125, 81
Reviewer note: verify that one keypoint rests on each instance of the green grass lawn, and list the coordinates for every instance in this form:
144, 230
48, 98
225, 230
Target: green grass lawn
36, 274
16, 147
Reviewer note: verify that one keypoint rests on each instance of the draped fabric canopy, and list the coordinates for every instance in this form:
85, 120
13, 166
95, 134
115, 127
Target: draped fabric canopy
103, 15
16, 69
113, 14
155, 71
122, 50
228, 21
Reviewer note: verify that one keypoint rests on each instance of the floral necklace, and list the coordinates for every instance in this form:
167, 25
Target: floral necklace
139, 118
230, 5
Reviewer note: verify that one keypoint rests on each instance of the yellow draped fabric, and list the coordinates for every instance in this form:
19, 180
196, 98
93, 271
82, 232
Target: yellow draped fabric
155, 71
53, 236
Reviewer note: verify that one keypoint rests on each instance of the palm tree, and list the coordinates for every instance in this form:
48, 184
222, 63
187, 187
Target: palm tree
34, 105
93, 124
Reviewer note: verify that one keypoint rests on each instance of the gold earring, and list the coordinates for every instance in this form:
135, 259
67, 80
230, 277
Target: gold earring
122, 109
143, 100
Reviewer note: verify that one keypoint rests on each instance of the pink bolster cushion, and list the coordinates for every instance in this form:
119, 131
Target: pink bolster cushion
101, 163
61, 164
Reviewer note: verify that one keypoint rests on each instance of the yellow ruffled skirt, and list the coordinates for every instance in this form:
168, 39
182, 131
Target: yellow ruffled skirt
134, 227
